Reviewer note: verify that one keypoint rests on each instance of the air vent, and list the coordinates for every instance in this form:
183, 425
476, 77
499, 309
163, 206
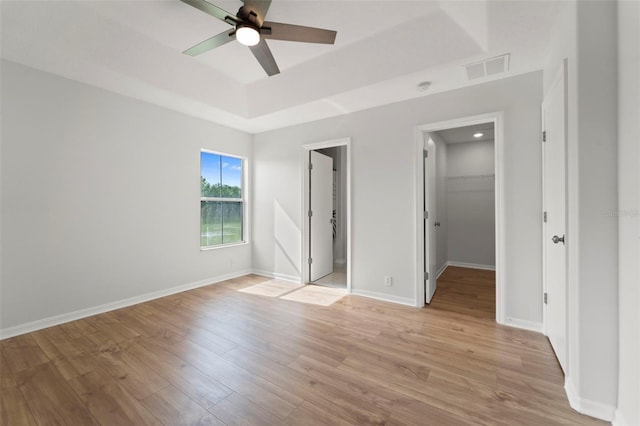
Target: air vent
491, 66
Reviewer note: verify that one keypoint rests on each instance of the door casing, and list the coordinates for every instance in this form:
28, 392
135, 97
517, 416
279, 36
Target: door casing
497, 119
304, 162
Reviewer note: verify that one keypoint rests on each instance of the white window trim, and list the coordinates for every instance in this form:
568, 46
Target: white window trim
244, 199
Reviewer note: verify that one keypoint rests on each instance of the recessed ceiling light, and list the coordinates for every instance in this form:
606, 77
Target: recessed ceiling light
478, 135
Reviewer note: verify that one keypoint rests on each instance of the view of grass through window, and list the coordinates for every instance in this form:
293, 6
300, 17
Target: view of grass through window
221, 199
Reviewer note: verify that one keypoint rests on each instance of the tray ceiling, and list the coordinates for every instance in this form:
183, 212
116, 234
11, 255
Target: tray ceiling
382, 51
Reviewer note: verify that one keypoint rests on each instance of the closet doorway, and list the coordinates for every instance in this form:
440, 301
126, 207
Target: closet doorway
459, 220
326, 214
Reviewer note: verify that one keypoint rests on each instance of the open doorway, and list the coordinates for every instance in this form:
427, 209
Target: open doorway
460, 217
326, 214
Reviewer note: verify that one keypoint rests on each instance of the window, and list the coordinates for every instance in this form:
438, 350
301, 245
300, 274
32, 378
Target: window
221, 200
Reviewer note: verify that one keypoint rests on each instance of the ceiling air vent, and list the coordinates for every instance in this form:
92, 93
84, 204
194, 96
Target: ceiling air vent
491, 66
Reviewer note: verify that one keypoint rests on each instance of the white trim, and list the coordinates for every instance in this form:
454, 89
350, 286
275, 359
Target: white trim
618, 419
441, 270
472, 265
219, 246
523, 324
277, 276
245, 193
346, 142
95, 310
385, 297
497, 119
589, 407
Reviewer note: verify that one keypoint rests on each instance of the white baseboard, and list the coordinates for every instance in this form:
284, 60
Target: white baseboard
340, 261
472, 265
384, 297
17, 330
523, 324
441, 270
591, 408
277, 276
619, 420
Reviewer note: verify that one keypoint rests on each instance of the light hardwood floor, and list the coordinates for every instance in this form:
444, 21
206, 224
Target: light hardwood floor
218, 356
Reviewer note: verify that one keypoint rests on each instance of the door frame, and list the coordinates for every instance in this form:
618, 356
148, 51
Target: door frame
304, 208
497, 118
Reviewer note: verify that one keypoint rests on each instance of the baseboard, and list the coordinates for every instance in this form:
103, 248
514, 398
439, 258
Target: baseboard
619, 420
29, 327
523, 324
384, 297
472, 265
340, 261
585, 406
441, 270
277, 276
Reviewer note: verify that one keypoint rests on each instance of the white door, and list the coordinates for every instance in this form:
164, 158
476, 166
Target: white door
554, 216
320, 216
430, 219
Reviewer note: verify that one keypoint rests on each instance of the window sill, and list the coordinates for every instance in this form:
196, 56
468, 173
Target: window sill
221, 246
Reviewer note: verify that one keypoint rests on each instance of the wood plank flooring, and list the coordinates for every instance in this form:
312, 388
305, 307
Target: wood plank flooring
218, 356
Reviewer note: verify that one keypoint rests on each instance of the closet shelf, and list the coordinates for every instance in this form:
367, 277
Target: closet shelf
471, 177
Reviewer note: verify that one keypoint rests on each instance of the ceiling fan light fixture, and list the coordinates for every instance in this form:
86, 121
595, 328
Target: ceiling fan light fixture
247, 35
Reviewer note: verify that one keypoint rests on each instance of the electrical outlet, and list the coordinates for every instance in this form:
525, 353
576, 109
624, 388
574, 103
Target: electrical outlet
388, 280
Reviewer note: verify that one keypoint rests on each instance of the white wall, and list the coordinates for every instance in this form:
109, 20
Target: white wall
471, 203
100, 197
628, 412
383, 179
442, 232
586, 34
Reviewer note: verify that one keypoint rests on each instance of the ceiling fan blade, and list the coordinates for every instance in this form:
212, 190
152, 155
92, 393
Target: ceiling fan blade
288, 32
213, 10
211, 43
259, 7
263, 54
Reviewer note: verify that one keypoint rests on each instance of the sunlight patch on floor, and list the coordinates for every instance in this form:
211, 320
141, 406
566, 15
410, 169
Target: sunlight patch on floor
313, 294
324, 296
271, 288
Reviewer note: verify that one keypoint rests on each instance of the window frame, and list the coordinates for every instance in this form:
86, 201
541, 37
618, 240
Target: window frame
242, 200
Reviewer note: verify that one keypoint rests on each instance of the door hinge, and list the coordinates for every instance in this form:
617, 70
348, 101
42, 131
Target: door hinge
426, 154
425, 215
310, 213
544, 217
426, 276
310, 166
544, 136
545, 299
310, 261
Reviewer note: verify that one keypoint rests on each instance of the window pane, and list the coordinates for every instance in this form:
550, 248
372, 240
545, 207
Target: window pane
232, 222
210, 223
231, 177
210, 174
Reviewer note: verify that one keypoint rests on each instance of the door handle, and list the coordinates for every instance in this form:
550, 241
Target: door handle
436, 224
557, 239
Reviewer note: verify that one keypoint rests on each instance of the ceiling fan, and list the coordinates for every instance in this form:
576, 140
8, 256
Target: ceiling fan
250, 29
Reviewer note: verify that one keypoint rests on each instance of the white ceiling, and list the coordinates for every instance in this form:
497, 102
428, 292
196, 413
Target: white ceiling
383, 50
465, 134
